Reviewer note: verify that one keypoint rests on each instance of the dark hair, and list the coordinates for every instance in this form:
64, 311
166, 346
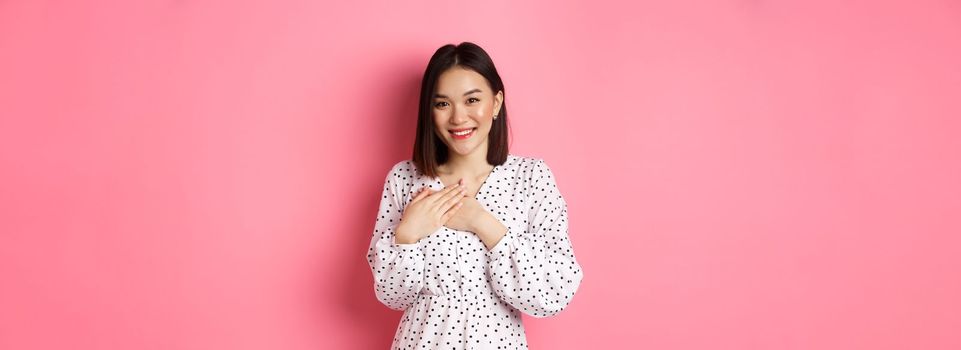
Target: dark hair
429, 149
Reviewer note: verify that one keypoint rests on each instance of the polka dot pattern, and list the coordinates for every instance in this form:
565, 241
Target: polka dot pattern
457, 294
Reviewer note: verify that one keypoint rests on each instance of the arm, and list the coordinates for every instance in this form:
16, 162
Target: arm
535, 270
398, 269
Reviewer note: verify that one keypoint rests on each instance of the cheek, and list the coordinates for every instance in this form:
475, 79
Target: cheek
440, 124
487, 111
484, 109
440, 118
480, 113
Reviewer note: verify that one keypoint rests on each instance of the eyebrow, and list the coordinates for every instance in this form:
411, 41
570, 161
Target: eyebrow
465, 94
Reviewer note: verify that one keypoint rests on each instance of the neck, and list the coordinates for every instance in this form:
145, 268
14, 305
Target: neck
471, 165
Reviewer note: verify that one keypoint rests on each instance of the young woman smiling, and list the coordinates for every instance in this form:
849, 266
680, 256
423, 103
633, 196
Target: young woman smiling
468, 236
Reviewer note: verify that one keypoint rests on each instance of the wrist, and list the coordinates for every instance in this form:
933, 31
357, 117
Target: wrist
480, 223
490, 228
402, 236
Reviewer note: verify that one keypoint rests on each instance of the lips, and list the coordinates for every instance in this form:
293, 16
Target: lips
462, 134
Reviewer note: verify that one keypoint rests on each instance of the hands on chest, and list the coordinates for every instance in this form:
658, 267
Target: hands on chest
470, 212
454, 206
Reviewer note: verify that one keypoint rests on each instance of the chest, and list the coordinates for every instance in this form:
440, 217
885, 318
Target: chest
471, 185
502, 197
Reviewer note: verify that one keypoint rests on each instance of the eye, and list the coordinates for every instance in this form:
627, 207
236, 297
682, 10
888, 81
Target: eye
438, 104
472, 98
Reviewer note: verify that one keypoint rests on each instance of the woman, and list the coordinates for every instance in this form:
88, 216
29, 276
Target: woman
467, 234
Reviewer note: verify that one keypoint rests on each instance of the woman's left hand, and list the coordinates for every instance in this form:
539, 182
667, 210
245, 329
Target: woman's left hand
468, 216
473, 217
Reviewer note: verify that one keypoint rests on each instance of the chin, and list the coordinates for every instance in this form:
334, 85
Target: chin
462, 149
465, 148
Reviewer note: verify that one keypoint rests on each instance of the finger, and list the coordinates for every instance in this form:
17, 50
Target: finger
451, 200
423, 192
440, 194
441, 202
450, 213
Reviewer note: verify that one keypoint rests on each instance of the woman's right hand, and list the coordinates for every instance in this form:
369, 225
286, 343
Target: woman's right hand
427, 212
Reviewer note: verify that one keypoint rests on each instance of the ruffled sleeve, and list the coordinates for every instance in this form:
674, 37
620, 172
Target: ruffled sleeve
534, 270
398, 269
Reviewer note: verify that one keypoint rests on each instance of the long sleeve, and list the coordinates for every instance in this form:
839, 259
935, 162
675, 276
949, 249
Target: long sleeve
535, 270
398, 269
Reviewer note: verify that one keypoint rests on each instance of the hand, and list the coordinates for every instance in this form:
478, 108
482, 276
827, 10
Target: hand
473, 217
427, 212
468, 212
467, 217
471, 214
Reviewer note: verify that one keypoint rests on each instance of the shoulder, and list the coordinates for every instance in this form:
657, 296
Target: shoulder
536, 179
521, 162
403, 167
531, 168
402, 172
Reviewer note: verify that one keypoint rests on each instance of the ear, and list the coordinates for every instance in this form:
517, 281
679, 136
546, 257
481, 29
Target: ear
498, 102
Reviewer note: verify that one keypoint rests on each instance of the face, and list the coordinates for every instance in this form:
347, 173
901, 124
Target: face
463, 107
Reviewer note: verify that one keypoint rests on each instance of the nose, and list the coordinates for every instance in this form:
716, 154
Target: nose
459, 116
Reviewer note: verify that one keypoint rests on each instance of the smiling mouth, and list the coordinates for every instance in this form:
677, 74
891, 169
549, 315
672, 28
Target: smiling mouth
462, 134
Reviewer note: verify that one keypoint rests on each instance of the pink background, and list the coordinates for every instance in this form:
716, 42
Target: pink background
740, 174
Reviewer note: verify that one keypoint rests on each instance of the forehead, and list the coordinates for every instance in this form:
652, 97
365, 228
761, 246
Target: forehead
456, 81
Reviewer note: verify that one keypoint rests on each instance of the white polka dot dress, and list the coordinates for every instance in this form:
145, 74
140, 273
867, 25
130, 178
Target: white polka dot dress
456, 294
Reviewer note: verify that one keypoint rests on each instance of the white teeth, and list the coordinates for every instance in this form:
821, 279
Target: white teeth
465, 132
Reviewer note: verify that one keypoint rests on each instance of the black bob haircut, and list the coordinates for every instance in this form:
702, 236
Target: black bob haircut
429, 149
